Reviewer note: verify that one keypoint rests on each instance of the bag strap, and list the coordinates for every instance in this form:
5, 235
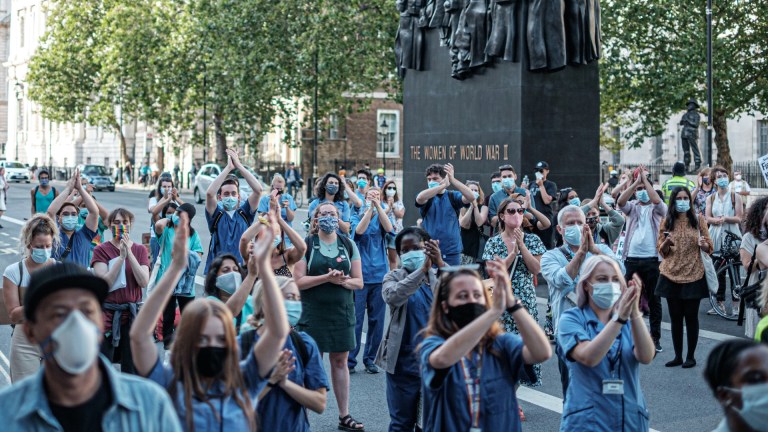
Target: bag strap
66, 252
749, 269
301, 347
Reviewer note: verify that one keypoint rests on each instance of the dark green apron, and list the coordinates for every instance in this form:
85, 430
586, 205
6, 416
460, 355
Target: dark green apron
328, 310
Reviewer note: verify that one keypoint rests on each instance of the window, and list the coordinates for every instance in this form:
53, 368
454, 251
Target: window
388, 141
658, 143
21, 29
762, 133
333, 126
616, 132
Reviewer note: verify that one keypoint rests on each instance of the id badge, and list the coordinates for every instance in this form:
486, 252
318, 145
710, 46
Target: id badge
613, 387
474, 429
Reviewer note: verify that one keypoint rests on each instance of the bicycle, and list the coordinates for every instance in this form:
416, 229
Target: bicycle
728, 267
294, 189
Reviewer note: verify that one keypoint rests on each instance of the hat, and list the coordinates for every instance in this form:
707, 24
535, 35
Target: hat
678, 168
380, 170
692, 101
614, 172
542, 165
187, 208
57, 277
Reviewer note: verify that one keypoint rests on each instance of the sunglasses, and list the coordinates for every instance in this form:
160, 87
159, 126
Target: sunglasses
513, 210
593, 219
391, 188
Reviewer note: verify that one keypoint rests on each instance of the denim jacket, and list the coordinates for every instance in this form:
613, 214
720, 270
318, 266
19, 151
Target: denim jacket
137, 405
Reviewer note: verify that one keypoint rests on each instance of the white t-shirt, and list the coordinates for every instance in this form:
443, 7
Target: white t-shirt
152, 203
643, 238
739, 186
12, 274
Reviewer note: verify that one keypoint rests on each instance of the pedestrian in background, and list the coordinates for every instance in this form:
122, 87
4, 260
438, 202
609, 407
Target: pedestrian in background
641, 257
544, 192
471, 220
683, 235
604, 340
4, 186
327, 279
737, 374
396, 212
39, 236
704, 188
409, 292
43, 194
678, 179
466, 358
331, 189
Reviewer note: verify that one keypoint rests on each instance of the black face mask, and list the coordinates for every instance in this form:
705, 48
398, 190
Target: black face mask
465, 314
210, 361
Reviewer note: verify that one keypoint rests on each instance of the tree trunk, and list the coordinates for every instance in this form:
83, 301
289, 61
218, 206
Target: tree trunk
720, 125
160, 158
221, 140
123, 145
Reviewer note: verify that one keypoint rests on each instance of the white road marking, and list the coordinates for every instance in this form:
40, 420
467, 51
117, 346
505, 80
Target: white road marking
552, 403
5, 368
13, 220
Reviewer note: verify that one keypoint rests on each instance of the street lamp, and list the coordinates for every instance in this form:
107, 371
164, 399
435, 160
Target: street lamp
710, 110
384, 131
19, 87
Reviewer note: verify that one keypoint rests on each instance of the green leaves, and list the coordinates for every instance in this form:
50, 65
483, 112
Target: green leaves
249, 61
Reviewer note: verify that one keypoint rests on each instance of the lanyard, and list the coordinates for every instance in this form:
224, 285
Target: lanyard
472, 381
615, 360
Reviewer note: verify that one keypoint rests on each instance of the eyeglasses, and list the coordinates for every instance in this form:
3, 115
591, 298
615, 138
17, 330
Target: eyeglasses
514, 210
593, 219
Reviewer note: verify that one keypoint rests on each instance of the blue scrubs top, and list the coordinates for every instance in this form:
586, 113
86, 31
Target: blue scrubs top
416, 318
81, 246
446, 403
342, 207
586, 407
264, 206
228, 232
441, 221
280, 412
226, 409
373, 249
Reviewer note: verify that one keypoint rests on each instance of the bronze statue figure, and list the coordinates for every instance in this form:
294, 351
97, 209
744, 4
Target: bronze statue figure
690, 135
409, 43
502, 43
546, 35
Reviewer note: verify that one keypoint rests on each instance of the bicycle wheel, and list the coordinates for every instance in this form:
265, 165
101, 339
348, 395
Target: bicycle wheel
298, 197
731, 274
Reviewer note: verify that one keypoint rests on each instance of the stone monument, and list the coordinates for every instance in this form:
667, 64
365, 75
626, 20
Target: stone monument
531, 94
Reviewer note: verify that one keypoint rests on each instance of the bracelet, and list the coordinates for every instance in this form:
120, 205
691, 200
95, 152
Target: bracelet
515, 307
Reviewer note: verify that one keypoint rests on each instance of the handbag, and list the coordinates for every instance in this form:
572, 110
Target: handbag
709, 268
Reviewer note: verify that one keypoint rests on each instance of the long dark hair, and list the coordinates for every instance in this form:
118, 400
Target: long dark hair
669, 221
163, 179
320, 192
210, 279
753, 223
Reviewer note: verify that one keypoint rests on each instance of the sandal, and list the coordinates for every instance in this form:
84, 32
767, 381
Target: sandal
522, 415
350, 425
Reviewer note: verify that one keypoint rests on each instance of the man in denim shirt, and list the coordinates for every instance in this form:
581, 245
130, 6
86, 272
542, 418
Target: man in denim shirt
561, 267
75, 389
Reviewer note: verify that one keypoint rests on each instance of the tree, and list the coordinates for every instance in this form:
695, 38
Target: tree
91, 65
654, 59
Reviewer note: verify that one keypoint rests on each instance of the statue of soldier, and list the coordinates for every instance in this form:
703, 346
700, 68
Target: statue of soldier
690, 134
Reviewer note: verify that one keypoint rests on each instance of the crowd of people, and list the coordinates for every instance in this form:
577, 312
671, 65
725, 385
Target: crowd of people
464, 330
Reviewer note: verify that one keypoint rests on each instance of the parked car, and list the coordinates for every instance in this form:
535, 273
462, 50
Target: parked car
15, 171
98, 176
209, 172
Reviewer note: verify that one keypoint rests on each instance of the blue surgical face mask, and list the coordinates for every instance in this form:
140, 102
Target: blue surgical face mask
362, 183
84, 213
413, 260
606, 294
40, 256
229, 203
433, 184
572, 235
44, 182
174, 218
331, 188
574, 201
277, 242
496, 186
682, 206
293, 310
69, 223
228, 282
477, 195
754, 405
328, 224
642, 195
508, 183
722, 182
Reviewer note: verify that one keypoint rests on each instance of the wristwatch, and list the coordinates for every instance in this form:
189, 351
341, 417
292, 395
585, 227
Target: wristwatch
515, 307
618, 319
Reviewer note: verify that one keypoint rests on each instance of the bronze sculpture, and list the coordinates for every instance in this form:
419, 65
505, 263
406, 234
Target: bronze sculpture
690, 134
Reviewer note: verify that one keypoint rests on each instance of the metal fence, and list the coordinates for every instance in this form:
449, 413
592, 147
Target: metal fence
750, 172
393, 167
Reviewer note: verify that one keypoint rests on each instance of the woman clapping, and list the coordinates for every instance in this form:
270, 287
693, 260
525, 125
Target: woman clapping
464, 342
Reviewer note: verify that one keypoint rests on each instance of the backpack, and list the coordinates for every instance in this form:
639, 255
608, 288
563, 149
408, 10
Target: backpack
248, 338
427, 205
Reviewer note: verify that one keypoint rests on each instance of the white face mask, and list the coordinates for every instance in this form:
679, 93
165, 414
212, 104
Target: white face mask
228, 282
76, 343
754, 406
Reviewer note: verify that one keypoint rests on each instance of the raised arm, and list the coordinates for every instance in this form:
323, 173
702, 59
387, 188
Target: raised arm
430, 193
247, 236
213, 189
383, 217
267, 349
299, 248
237, 300
465, 219
467, 196
62, 197
92, 221
143, 348
255, 185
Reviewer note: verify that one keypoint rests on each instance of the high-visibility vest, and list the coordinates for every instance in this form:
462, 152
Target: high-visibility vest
675, 182
762, 327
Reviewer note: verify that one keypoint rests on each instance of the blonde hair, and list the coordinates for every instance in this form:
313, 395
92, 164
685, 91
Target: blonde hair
258, 295
38, 224
587, 269
762, 300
